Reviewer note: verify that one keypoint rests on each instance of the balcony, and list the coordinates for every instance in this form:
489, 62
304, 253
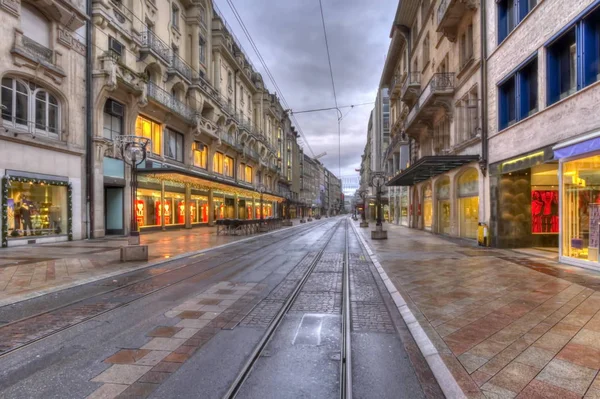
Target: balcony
449, 14
411, 88
35, 54
436, 96
396, 84
151, 44
167, 100
229, 139
180, 67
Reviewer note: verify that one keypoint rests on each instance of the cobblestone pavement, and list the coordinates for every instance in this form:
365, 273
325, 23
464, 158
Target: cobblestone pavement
506, 323
33, 270
137, 372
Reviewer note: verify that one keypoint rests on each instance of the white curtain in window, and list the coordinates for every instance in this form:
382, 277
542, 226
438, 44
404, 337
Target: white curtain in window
34, 25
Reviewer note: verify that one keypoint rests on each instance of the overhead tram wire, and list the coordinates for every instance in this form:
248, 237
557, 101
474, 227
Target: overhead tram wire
330, 108
340, 116
268, 71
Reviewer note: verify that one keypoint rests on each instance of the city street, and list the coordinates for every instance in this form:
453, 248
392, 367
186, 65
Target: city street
190, 331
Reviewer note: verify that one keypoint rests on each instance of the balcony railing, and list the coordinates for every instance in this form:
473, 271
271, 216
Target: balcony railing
182, 67
165, 98
442, 81
218, 14
151, 41
413, 79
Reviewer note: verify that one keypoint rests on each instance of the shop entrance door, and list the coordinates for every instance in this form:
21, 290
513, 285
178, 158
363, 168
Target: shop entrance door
113, 210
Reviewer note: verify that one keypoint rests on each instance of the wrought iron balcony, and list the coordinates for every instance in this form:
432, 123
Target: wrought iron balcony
167, 100
152, 43
436, 95
411, 88
179, 66
450, 13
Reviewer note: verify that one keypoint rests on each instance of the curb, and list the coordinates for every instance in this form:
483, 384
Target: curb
439, 369
36, 294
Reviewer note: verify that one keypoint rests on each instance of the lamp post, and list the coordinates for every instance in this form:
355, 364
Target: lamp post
363, 195
377, 181
133, 152
261, 189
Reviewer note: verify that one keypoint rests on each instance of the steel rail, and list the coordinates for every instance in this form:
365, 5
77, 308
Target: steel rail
238, 382
303, 232
346, 355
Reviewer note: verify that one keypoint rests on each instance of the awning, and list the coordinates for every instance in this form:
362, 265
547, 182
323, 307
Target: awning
204, 182
578, 146
428, 167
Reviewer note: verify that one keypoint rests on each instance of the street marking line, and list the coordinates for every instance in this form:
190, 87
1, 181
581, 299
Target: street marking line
442, 374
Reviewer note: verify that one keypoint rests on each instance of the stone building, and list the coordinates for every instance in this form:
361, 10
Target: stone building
433, 72
42, 129
543, 95
173, 73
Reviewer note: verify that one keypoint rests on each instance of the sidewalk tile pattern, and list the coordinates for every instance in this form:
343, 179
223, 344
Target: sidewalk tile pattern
506, 324
138, 372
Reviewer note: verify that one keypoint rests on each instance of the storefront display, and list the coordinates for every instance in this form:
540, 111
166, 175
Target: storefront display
404, 208
148, 213
468, 203
427, 207
35, 208
199, 209
443, 206
581, 208
544, 211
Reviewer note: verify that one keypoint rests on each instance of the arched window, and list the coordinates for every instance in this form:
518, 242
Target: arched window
34, 25
28, 106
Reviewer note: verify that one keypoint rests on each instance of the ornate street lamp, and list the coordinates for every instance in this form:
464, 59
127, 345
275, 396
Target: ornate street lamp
133, 152
377, 181
363, 195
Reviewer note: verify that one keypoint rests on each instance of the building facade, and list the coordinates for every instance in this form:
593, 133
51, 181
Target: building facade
219, 144
543, 130
434, 75
42, 129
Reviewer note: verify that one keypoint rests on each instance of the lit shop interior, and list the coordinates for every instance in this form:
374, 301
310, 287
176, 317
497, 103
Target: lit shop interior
170, 198
525, 207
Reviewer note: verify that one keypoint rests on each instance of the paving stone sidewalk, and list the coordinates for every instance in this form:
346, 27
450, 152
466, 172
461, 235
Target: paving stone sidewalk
507, 324
33, 270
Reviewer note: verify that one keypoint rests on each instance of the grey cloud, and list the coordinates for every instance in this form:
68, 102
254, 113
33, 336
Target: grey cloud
289, 36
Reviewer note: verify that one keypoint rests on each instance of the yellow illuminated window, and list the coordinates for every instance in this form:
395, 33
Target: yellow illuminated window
151, 130
228, 166
218, 163
248, 174
200, 155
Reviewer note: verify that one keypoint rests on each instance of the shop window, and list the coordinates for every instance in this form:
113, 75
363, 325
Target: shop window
29, 106
36, 209
200, 154
427, 207
113, 119
510, 13
151, 130
518, 96
443, 206
228, 166
198, 209
468, 203
581, 208
174, 145
218, 163
248, 174
35, 26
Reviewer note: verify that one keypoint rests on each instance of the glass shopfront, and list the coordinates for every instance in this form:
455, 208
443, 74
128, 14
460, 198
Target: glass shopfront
199, 209
218, 207
174, 208
404, 206
443, 206
581, 208
427, 207
147, 208
468, 203
36, 209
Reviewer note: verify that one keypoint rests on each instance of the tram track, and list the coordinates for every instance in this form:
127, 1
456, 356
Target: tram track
345, 369
111, 300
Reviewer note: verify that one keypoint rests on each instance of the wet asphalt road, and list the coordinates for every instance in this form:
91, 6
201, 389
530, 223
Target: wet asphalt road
298, 362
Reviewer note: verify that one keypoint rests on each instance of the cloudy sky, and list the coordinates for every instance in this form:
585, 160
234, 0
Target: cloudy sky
289, 36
